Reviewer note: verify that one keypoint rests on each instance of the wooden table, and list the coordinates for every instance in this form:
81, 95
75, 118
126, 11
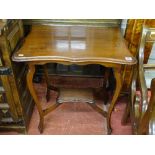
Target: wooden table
79, 45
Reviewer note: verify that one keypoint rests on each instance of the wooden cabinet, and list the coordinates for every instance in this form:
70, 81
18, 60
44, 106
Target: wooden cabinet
16, 103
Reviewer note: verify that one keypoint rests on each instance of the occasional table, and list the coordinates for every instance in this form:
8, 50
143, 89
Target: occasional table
80, 45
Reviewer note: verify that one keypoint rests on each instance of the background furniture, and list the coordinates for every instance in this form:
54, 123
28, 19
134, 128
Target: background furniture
132, 36
16, 103
142, 109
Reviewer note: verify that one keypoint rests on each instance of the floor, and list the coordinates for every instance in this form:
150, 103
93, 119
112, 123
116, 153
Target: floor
76, 118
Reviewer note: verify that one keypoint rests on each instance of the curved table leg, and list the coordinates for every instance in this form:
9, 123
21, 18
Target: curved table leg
119, 81
33, 93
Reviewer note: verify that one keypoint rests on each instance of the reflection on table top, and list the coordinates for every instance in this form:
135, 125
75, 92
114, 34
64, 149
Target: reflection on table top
74, 44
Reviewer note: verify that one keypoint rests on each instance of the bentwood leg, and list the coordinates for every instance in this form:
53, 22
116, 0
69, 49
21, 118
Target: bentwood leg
119, 80
33, 93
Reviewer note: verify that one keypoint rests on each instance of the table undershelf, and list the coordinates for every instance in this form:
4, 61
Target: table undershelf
75, 95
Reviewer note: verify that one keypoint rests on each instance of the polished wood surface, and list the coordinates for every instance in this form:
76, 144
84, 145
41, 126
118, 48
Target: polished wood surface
79, 45
74, 44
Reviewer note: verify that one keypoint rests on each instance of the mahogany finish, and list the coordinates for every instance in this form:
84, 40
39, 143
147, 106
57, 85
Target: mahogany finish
74, 44
79, 45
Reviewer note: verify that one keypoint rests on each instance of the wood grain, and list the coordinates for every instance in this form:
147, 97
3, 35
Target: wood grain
74, 44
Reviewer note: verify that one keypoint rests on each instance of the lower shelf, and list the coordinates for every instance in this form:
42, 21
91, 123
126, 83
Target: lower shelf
75, 95
72, 95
